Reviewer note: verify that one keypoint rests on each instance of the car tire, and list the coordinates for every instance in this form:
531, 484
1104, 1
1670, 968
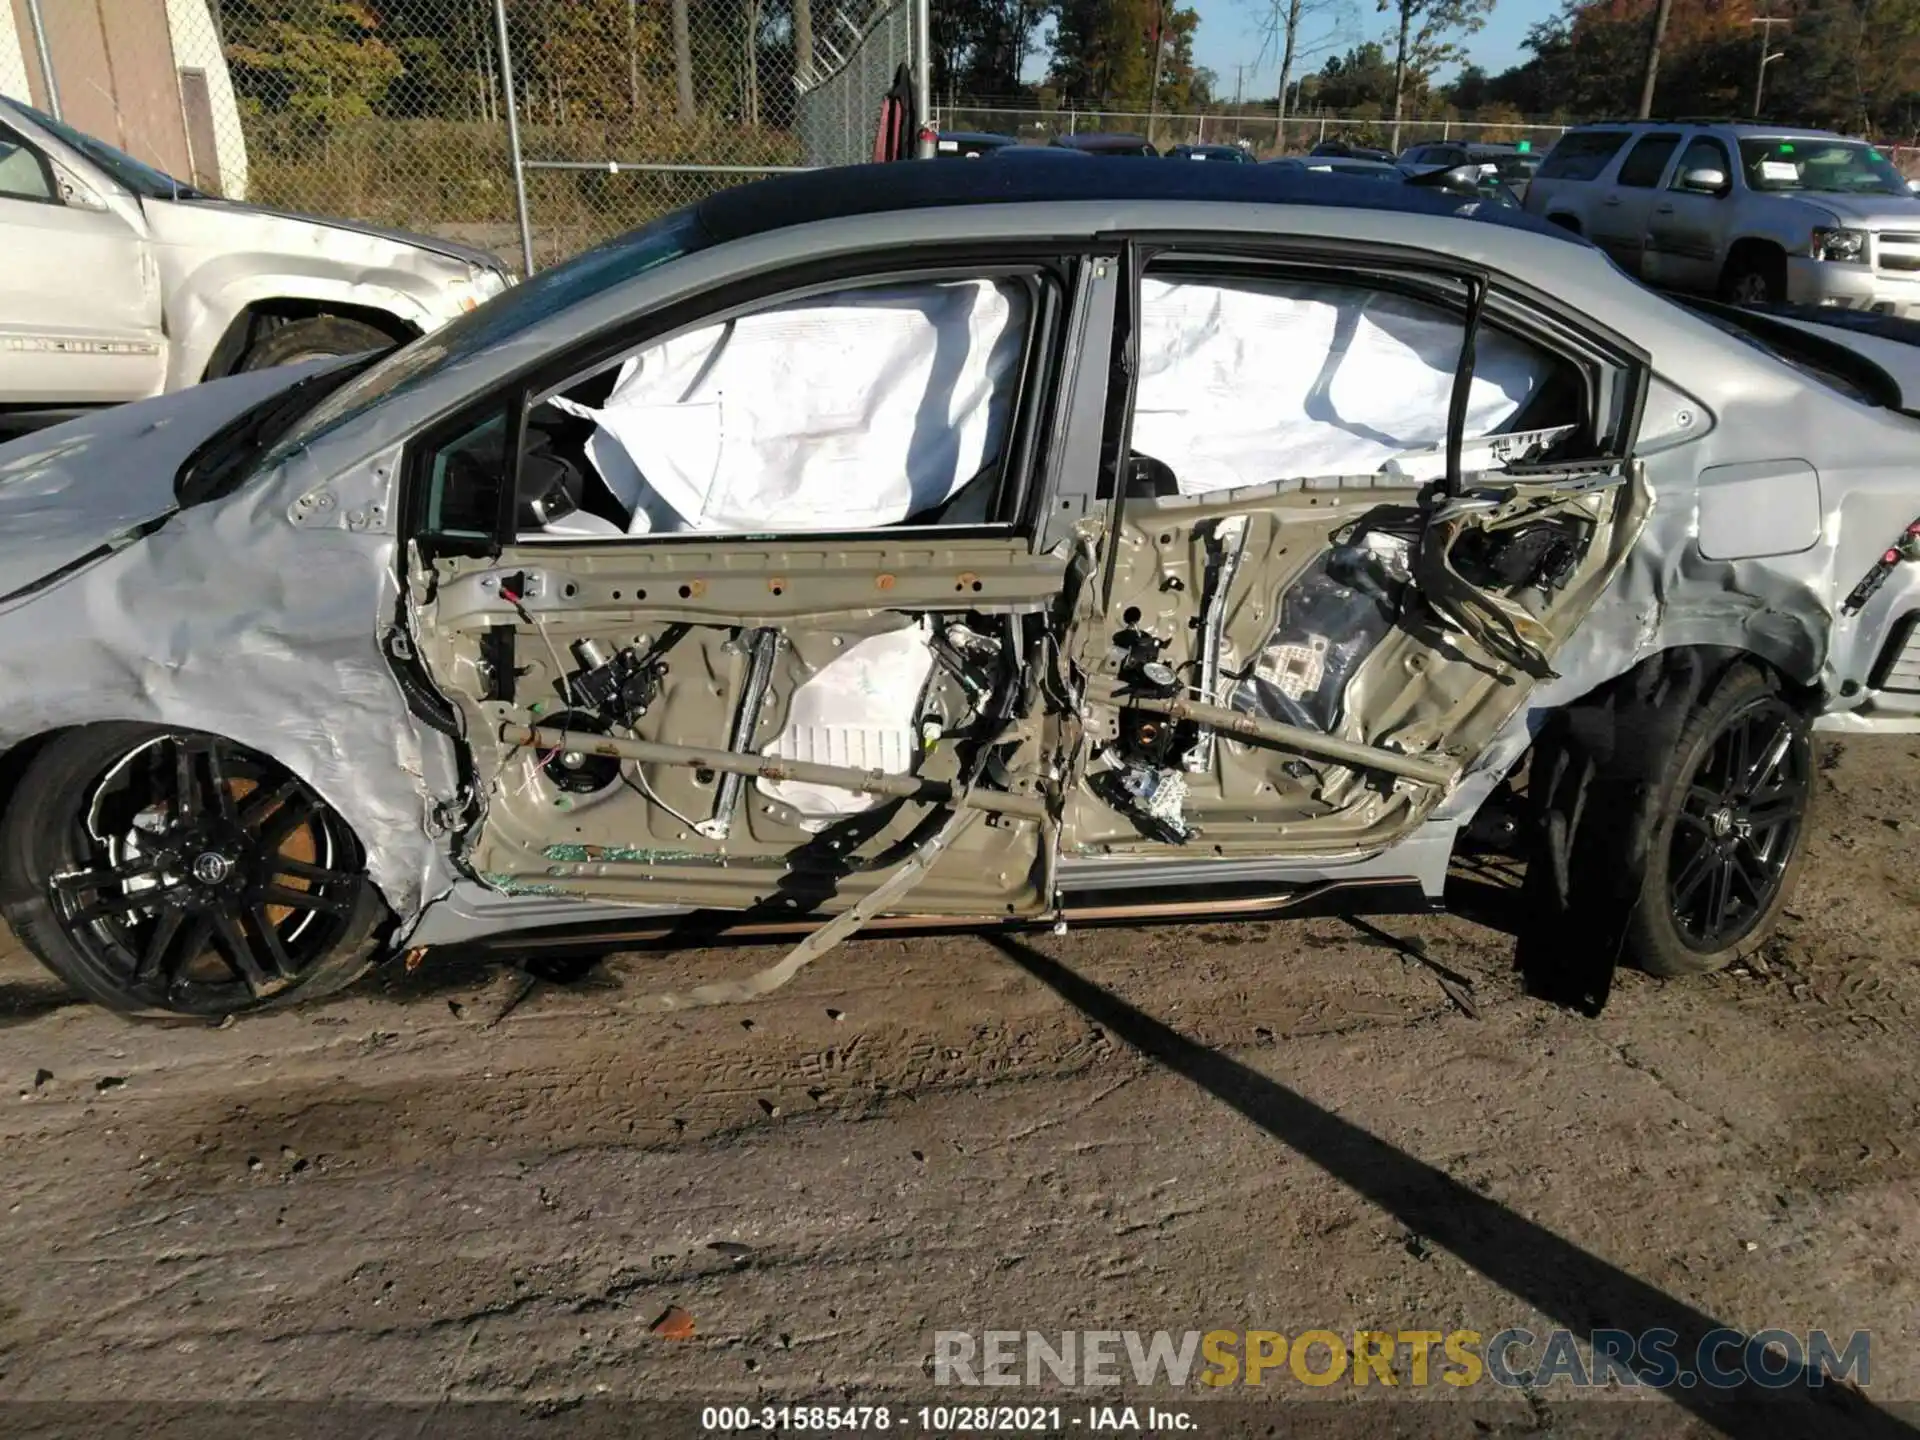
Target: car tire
1755, 277
322, 336
1723, 824
170, 872
1617, 789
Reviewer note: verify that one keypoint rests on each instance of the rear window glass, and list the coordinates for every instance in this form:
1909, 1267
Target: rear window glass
1582, 155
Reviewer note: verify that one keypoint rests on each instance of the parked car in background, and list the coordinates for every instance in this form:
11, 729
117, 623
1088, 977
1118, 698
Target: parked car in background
1470, 179
1753, 213
1047, 154
119, 282
1513, 162
1216, 540
1464, 180
1107, 144
1348, 150
1337, 165
1225, 154
969, 144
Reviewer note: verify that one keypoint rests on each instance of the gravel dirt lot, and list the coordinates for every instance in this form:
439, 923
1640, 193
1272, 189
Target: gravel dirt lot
421, 1191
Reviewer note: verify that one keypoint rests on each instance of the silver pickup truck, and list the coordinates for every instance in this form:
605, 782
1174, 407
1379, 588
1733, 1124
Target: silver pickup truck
1748, 212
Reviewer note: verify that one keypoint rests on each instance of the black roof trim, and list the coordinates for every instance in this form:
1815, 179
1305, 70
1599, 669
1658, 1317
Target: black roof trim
856, 190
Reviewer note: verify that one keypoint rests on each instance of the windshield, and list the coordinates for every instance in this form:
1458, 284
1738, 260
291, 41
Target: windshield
497, 322
1835, 167
142, 179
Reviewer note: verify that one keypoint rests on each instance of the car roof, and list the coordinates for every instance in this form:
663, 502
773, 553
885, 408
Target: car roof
1049, 152
1097, 139
862, 190
1742, 128
986, 137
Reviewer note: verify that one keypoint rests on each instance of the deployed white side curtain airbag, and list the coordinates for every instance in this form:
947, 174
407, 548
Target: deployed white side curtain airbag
1245, 383
857, 409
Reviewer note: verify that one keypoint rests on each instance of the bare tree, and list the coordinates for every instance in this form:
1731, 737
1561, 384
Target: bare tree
802, 36
1423, 44
683, 61
1660, 13
1286, 19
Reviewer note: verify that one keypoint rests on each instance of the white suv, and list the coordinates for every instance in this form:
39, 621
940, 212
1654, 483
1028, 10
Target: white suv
1749, 212
119, 282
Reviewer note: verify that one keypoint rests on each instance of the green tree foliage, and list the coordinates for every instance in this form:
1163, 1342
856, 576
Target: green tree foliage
1360, 81
980, 46
1103, 53
1425, 36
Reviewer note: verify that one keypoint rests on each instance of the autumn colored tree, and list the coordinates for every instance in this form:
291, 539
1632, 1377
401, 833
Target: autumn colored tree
322, 59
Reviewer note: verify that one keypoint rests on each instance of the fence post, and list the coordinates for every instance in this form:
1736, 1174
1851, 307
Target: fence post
1073, 121
923, 145
46, 58
513, 133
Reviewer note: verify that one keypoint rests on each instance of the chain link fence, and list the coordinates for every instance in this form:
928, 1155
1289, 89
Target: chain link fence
852, 64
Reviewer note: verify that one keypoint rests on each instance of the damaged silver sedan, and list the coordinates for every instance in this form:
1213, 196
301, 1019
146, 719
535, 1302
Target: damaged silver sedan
915, 546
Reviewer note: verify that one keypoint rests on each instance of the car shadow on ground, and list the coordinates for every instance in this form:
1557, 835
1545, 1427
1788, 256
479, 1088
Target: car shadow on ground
1572, 1287
27, 1001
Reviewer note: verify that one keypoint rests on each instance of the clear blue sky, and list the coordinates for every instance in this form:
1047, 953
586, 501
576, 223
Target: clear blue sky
1231, 32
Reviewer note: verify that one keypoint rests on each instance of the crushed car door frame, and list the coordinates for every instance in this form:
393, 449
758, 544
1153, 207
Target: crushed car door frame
1196, 591
637, 771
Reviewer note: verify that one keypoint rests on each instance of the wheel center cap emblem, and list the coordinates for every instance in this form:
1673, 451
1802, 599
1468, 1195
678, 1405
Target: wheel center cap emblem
1722, 823
210, 868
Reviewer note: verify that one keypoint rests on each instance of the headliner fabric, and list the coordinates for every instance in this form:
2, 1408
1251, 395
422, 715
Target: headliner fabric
1244, 383
852, 410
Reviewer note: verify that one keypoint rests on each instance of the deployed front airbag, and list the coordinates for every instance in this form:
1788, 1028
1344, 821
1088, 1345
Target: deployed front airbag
856, 409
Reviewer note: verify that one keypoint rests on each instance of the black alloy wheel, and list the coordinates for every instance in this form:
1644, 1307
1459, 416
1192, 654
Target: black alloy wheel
1738, 825
179, 872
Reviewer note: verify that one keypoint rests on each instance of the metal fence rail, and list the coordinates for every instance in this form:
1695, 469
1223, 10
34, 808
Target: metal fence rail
1263, 133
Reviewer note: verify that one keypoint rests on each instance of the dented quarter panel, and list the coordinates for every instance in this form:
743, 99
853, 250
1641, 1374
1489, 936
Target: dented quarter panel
1782, 609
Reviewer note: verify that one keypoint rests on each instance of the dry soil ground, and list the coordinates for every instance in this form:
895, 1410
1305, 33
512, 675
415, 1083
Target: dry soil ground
416, 1193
